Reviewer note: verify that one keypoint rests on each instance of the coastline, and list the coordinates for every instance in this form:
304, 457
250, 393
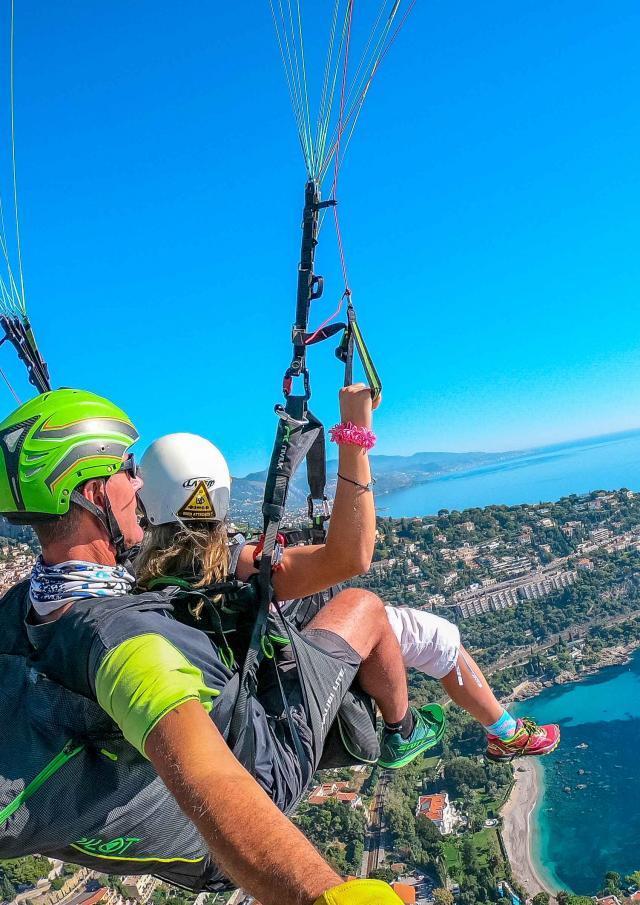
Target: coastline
521, 829
615, 656
517, 832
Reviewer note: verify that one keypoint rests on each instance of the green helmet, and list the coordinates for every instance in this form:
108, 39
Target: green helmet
55, 442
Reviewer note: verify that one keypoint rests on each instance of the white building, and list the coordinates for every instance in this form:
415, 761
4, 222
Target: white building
599, 535
436, 600
139, 887
545, 584
449, 578
438, 809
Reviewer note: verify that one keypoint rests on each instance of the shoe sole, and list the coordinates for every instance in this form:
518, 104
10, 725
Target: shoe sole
407, 760
524, 753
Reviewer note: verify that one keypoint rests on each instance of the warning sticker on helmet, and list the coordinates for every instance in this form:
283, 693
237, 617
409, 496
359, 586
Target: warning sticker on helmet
198, 505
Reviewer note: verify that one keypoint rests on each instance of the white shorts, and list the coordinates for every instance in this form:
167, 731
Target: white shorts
428, 643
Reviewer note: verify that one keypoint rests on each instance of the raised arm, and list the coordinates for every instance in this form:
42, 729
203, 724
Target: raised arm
352, 529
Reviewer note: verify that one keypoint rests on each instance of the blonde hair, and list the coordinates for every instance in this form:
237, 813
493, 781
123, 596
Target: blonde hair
185, 550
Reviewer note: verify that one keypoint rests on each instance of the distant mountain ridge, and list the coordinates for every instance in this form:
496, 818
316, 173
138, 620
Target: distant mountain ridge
398, 472
391, 473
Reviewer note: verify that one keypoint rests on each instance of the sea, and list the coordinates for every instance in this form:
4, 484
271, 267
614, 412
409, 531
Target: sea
587, 819
601, 463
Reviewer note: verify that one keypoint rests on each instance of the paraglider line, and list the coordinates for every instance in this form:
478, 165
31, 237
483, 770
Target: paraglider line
336, 166
13, 392
13, 161
345, 295
356, 106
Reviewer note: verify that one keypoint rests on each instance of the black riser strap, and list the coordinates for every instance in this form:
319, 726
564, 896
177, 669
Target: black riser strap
317, 462
294, 438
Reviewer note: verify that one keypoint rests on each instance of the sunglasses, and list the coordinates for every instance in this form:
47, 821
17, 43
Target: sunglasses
129, 467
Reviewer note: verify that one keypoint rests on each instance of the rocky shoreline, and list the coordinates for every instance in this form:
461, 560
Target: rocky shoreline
615, 656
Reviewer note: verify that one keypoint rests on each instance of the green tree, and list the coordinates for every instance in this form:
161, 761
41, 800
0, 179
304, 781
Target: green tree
462, 774
612, 879
442, 896
429, 837
7, 890
26, 871
468, 854
541, 898
383, 873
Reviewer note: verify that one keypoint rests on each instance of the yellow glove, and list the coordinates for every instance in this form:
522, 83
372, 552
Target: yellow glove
359, 892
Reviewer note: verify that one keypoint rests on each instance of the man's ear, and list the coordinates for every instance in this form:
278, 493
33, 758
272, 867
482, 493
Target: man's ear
94, 492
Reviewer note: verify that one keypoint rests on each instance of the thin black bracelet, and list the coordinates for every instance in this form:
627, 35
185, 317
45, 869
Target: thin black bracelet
368, 486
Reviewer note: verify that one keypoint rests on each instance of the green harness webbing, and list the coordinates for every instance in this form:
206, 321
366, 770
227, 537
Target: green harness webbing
352, 338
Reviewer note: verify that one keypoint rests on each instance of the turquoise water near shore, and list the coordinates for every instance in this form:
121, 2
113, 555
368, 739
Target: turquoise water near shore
581, 833
578, 833
603, 463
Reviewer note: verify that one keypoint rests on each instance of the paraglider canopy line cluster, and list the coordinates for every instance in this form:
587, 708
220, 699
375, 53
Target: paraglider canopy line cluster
321, 141
336, 156
14, 319
12, 294
347, 292
324, 144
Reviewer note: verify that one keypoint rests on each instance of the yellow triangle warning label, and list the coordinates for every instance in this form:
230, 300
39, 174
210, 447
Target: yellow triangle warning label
198, 505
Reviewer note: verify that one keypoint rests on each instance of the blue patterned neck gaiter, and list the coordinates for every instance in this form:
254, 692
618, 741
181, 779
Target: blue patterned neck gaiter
53, 586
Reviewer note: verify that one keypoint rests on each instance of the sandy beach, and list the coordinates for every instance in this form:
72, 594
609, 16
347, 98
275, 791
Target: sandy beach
516, 831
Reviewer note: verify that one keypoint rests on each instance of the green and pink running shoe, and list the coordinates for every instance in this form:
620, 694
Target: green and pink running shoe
530, 740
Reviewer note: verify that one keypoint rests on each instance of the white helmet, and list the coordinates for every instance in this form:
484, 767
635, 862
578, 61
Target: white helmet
185, 478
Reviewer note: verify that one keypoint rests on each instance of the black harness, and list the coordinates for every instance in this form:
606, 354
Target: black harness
299, 436
19, 332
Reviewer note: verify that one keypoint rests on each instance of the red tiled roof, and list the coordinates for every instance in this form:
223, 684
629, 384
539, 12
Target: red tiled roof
432, 806
329, 787
97, 896
321, 795
405, 892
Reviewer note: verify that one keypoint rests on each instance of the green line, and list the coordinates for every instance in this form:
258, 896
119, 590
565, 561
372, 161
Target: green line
69, 751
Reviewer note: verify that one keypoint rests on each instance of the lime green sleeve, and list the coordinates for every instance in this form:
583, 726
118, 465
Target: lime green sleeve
144, 678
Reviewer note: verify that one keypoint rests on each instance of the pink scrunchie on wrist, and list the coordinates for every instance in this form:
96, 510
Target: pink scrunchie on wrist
353, 435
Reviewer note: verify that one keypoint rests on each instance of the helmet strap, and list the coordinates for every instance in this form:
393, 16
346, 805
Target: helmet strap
108, 521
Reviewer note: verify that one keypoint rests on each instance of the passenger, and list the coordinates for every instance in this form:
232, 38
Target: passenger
67, 471
190, 542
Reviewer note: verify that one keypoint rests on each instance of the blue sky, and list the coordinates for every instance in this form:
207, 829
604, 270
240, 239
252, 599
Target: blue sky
489, 202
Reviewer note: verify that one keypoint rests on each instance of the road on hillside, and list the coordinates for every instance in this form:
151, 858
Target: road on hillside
523, 654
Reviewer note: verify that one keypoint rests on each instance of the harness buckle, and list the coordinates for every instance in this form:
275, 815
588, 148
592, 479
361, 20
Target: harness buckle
276, 556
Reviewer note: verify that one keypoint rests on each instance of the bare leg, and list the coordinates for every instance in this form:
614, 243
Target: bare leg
359, 617
474, 695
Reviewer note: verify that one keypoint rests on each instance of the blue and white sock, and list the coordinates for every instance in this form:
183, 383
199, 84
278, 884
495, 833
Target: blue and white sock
504, 728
